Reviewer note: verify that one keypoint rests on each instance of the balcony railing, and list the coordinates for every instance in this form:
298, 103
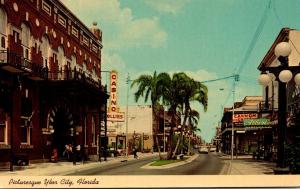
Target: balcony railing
67, 75
265, 107
18, 64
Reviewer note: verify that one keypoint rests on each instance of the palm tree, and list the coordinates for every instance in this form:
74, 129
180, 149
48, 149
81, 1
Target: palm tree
177, 93
189, 91
193, 118
151, 86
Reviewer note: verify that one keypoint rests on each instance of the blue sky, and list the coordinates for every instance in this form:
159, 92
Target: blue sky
207, 39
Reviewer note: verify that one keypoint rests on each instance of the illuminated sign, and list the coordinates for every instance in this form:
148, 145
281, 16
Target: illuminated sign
241, 117
113, 113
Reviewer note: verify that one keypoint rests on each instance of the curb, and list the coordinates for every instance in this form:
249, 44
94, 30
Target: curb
171, 165
226, 169
94, 164
36, 170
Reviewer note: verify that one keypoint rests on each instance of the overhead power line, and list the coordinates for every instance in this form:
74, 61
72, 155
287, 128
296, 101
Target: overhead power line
255, 38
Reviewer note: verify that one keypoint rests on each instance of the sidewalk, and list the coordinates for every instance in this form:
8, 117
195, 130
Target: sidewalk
63, 168
246, 165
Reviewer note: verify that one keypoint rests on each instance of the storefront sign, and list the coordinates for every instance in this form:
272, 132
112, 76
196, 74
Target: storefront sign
116, 116
241, 117
256, 122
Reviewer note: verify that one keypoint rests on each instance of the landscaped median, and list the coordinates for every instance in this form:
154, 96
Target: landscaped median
165, 164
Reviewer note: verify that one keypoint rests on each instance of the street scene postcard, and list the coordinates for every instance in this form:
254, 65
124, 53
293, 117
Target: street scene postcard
149, 93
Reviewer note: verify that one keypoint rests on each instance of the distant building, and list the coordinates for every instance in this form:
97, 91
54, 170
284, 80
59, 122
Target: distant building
50, 80
140, 123
253, 130
142, 127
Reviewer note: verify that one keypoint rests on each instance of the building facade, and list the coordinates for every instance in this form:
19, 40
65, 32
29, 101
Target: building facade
270, 93
139, 129
50, 80
253, 130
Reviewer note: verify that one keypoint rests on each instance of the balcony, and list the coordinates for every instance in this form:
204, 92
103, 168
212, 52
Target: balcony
17, 64
73, 75
264, 107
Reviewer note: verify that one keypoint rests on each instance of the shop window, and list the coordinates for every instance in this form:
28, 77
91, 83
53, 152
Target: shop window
26, 126
85, 131
94, 130
3, 127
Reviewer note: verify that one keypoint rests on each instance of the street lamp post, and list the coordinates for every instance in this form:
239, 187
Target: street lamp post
127, 97
283, 74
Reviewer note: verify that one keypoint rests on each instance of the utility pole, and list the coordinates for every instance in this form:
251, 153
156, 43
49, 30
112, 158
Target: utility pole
236, 78
127, 96
164, 131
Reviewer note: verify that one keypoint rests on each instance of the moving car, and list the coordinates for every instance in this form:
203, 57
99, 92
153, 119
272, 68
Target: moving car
203, 150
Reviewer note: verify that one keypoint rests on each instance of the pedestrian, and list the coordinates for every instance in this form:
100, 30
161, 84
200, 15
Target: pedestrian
135, 153
77, 152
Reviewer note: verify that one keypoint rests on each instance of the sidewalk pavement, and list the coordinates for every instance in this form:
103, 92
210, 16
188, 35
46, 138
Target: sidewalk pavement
64, 168
246, 165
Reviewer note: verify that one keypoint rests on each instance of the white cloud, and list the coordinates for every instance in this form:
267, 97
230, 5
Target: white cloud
167, 6
120, 28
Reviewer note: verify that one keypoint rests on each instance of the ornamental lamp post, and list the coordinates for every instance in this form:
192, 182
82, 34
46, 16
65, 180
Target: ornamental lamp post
283, 74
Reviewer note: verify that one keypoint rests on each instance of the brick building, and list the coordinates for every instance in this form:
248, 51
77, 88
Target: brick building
50, 80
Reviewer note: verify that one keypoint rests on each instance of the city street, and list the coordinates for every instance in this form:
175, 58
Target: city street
204, 164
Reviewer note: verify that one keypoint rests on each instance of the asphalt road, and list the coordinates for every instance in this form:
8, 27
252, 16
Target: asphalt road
205, 164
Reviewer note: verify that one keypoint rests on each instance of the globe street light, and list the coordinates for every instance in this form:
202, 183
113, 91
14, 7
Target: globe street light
283, 74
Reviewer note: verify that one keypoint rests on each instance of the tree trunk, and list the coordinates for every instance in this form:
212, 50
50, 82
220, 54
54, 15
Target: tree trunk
155, 130
177, 145
157, 143
181, 133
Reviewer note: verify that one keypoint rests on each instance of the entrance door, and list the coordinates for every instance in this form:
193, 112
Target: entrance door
61, 135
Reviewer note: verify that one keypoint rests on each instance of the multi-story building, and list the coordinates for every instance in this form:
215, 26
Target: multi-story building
50, 80
253, 131
270, 93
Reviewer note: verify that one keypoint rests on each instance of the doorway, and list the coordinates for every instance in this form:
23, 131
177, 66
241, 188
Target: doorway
62, 132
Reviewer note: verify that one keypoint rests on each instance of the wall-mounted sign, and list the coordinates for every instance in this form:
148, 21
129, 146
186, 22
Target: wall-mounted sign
113, 113
256, 122
241, 117
113, 91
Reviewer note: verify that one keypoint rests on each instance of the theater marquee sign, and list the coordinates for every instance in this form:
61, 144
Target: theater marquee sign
113, 113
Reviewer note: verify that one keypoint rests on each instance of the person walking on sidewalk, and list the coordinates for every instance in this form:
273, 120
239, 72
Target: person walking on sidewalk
135, 153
